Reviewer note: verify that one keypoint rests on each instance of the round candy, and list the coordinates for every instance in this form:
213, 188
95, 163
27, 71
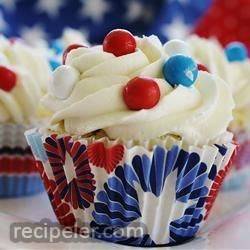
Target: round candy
54, 63
57, 46
141, 93
176, 46
8, 79
236, 52
119, 42
13, 40
64, 80
180, 70
71, 47
202, 67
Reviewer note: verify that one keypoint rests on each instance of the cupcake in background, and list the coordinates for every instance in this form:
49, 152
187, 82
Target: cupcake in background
24, 74
54, 49
137, 140
69, 36
233, 65
57, 47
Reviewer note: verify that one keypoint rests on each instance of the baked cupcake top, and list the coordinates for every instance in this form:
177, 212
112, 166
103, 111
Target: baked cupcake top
231, 64
24, 74
130, 88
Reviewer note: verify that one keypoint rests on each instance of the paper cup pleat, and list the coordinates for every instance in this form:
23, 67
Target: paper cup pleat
167, 189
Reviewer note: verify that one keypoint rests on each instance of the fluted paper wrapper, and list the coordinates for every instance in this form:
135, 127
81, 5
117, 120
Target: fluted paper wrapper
18, 172
133, 195
239, 177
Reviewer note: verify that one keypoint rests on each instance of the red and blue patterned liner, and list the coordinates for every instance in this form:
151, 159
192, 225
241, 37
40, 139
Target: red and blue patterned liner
18, 172
239, 178
115, 189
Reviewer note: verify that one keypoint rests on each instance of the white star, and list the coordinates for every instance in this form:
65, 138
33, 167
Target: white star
177, 29
94, 9
33, 35
3, 24
9, 4
136, 10
85, 32
70, 36
51, 7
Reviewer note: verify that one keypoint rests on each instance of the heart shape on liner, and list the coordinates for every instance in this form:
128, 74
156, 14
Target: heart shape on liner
105, 157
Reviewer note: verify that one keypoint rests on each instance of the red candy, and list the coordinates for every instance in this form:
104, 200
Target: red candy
141, 93
119, 42
202, 67
7, 79
14, 39
69, 48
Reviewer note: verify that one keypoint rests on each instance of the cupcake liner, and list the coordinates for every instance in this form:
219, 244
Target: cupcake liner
116, 190
18, 172
20, 185
12, 136
239, 178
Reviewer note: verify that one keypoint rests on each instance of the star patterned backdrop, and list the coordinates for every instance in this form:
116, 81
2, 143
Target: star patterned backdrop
227, 20
46, 19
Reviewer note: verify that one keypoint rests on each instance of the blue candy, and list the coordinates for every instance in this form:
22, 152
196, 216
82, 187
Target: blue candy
180, 70
57, 47
54, 63
236, 52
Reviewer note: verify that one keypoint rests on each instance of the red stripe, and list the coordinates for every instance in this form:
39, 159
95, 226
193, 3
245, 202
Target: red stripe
17, 164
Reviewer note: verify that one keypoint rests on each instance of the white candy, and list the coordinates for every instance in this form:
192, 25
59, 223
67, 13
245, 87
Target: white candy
64, 80
177, 46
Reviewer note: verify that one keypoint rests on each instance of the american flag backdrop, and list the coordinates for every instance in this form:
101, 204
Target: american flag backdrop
228, 20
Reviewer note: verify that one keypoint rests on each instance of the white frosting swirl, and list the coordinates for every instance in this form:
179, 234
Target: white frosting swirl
198, 114
20, 105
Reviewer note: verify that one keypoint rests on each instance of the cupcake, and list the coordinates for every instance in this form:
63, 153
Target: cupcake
23, 77
57, 47
231, 64
137, 145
